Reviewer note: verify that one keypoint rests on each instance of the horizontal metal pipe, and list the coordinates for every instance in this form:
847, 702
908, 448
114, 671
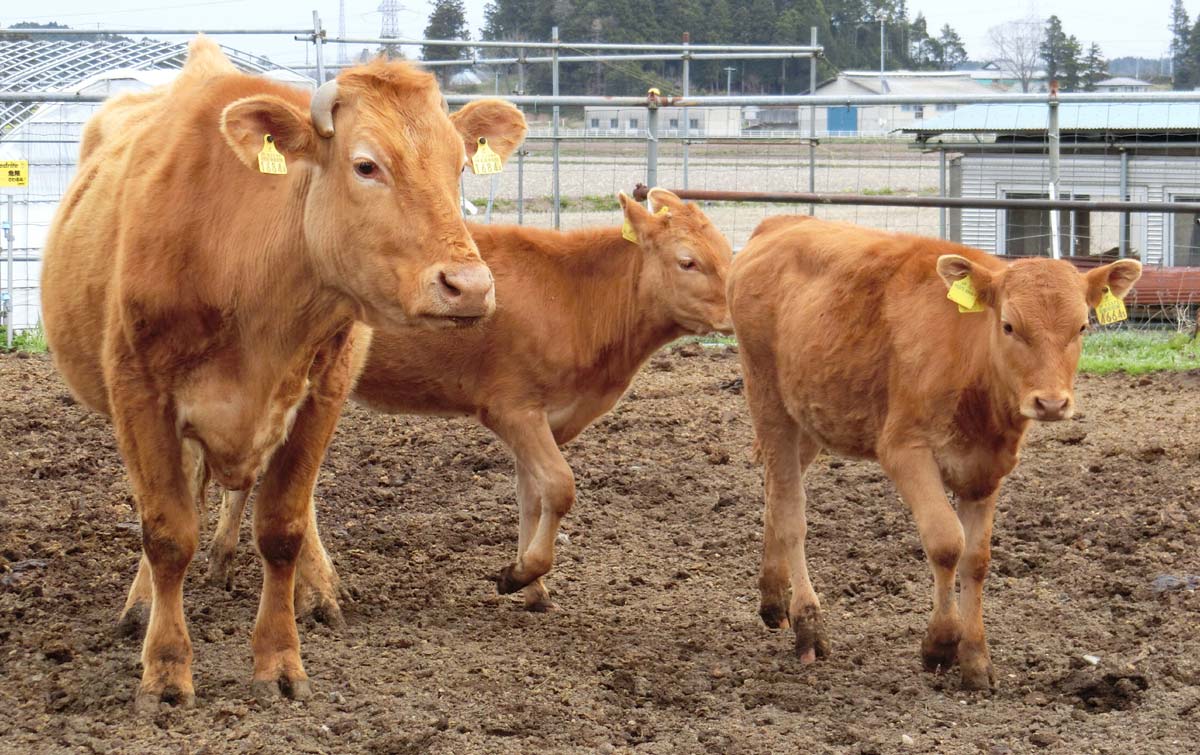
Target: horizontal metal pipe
1032, 148
597, 59
808, 50
801, 197
165, 32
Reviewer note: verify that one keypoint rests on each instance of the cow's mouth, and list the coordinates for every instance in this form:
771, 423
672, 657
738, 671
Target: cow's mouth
457, 322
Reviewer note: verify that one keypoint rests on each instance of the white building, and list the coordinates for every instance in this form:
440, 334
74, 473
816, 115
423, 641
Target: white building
600, 120
1122, 84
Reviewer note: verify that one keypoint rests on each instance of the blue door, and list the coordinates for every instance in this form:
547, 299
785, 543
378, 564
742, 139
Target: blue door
843, 120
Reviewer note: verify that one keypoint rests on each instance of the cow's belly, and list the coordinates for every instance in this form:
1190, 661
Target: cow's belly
840, 409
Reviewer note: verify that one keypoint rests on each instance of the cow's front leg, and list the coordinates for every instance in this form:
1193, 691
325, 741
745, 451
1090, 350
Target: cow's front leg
537, 597
223, 549
974, 662
916, 474
529, 436
156, 462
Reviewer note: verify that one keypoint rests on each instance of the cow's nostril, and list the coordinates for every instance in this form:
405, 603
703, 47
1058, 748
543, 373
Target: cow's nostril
1050, 406
448, 288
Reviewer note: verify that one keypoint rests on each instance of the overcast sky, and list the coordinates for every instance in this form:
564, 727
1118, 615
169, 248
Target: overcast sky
1119, 28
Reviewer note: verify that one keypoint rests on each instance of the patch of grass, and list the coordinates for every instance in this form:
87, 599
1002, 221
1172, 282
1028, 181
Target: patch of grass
1138, 352
33, 340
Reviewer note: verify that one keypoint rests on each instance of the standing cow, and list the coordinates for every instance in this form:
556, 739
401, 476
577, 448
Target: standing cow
849, 343
200, 287
579, 313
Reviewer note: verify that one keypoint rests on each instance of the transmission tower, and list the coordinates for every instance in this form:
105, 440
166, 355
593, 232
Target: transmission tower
342, 57
391, 18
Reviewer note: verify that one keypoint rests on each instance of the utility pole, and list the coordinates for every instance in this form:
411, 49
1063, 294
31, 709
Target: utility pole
882, 47
729, 79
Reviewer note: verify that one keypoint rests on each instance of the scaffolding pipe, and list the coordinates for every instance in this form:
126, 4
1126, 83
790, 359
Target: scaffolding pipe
942, 193
318, 34
652, 147
302, 35
1123, 224
557, 142
555, 44
1053, 139
797, 197
687, 83
812, 121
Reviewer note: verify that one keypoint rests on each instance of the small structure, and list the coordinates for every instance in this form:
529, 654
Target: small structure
999, 79
1139, 151
602, 120
868, 120
1122, 84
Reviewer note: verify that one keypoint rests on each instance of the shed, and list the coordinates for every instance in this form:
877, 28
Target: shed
867, 120
1136, 151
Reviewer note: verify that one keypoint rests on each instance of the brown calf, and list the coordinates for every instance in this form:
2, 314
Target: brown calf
207, 307
848, 343
578, 314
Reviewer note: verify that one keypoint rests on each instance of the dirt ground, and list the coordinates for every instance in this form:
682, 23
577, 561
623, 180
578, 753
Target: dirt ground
656, 646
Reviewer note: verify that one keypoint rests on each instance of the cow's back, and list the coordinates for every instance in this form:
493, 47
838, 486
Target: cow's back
820, 309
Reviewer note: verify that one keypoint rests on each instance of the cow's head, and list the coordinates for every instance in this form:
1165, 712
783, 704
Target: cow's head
375, 163
687, 261
1037, 314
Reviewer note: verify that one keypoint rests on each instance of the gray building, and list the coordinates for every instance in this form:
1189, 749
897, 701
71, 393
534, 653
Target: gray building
602, 120
1000, 151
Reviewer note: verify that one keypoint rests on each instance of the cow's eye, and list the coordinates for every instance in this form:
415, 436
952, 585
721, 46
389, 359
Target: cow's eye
365, 168
687, 263
1008, 329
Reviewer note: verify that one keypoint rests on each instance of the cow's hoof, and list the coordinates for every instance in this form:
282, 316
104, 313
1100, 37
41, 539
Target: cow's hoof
506, 583
220, 569
812, 642
149, 701
326, 610
977, 673
774, 615
542, 604
267, 691
937, 654
133, 621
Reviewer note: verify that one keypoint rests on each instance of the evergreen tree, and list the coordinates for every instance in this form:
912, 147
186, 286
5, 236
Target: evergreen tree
1053, 50
952, 52
448, 20
1183, 69
1095, 68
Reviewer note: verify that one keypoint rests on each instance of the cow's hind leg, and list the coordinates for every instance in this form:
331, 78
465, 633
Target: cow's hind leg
974, 662
919, 481
318, 588
529, 436
223, 549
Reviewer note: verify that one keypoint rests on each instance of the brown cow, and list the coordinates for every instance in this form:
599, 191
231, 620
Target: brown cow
207, 308
579, 313
848, 343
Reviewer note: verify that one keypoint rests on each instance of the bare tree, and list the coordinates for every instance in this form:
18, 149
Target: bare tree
1015, 48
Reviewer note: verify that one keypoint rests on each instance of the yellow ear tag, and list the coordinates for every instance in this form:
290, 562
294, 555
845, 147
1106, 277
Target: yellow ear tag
270, 160
1110, 309
962, 293
627, 231
485, 161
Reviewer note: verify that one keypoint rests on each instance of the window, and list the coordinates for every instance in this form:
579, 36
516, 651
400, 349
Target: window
613, 123
633, 123
673, 123
595, 123
944, 107
693, 123
1027, 232
1185, 239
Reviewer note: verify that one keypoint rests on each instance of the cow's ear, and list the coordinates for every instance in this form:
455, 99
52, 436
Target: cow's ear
246, 122
637, 219
661, 199
1117, 277
500, 122
953, 268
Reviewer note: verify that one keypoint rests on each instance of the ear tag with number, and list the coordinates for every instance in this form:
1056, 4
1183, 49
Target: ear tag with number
485, 161
962, 293
270, 160
629, 234
1110, 309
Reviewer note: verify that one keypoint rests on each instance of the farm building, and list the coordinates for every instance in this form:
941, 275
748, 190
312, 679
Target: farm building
998, 79
1000, 151
47, 134
860, 120
701, 121
1122, 84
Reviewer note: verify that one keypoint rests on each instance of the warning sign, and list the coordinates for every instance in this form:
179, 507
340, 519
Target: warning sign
14, 173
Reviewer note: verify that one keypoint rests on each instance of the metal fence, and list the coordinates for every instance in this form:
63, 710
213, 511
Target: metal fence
1125, 182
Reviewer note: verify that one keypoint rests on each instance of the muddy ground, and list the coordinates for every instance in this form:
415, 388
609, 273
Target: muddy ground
656, 646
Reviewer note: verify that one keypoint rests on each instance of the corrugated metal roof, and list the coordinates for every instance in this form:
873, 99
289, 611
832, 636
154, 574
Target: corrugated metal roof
1131, 117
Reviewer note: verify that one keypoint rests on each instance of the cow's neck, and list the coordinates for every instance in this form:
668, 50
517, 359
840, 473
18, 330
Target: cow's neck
618, 323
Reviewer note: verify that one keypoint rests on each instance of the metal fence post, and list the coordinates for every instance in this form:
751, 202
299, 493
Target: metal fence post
941, 192
521, 186
1123, 225
318, 42
687, 80
651, 141
1053, 147
812, 120
554, 127
9, 238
